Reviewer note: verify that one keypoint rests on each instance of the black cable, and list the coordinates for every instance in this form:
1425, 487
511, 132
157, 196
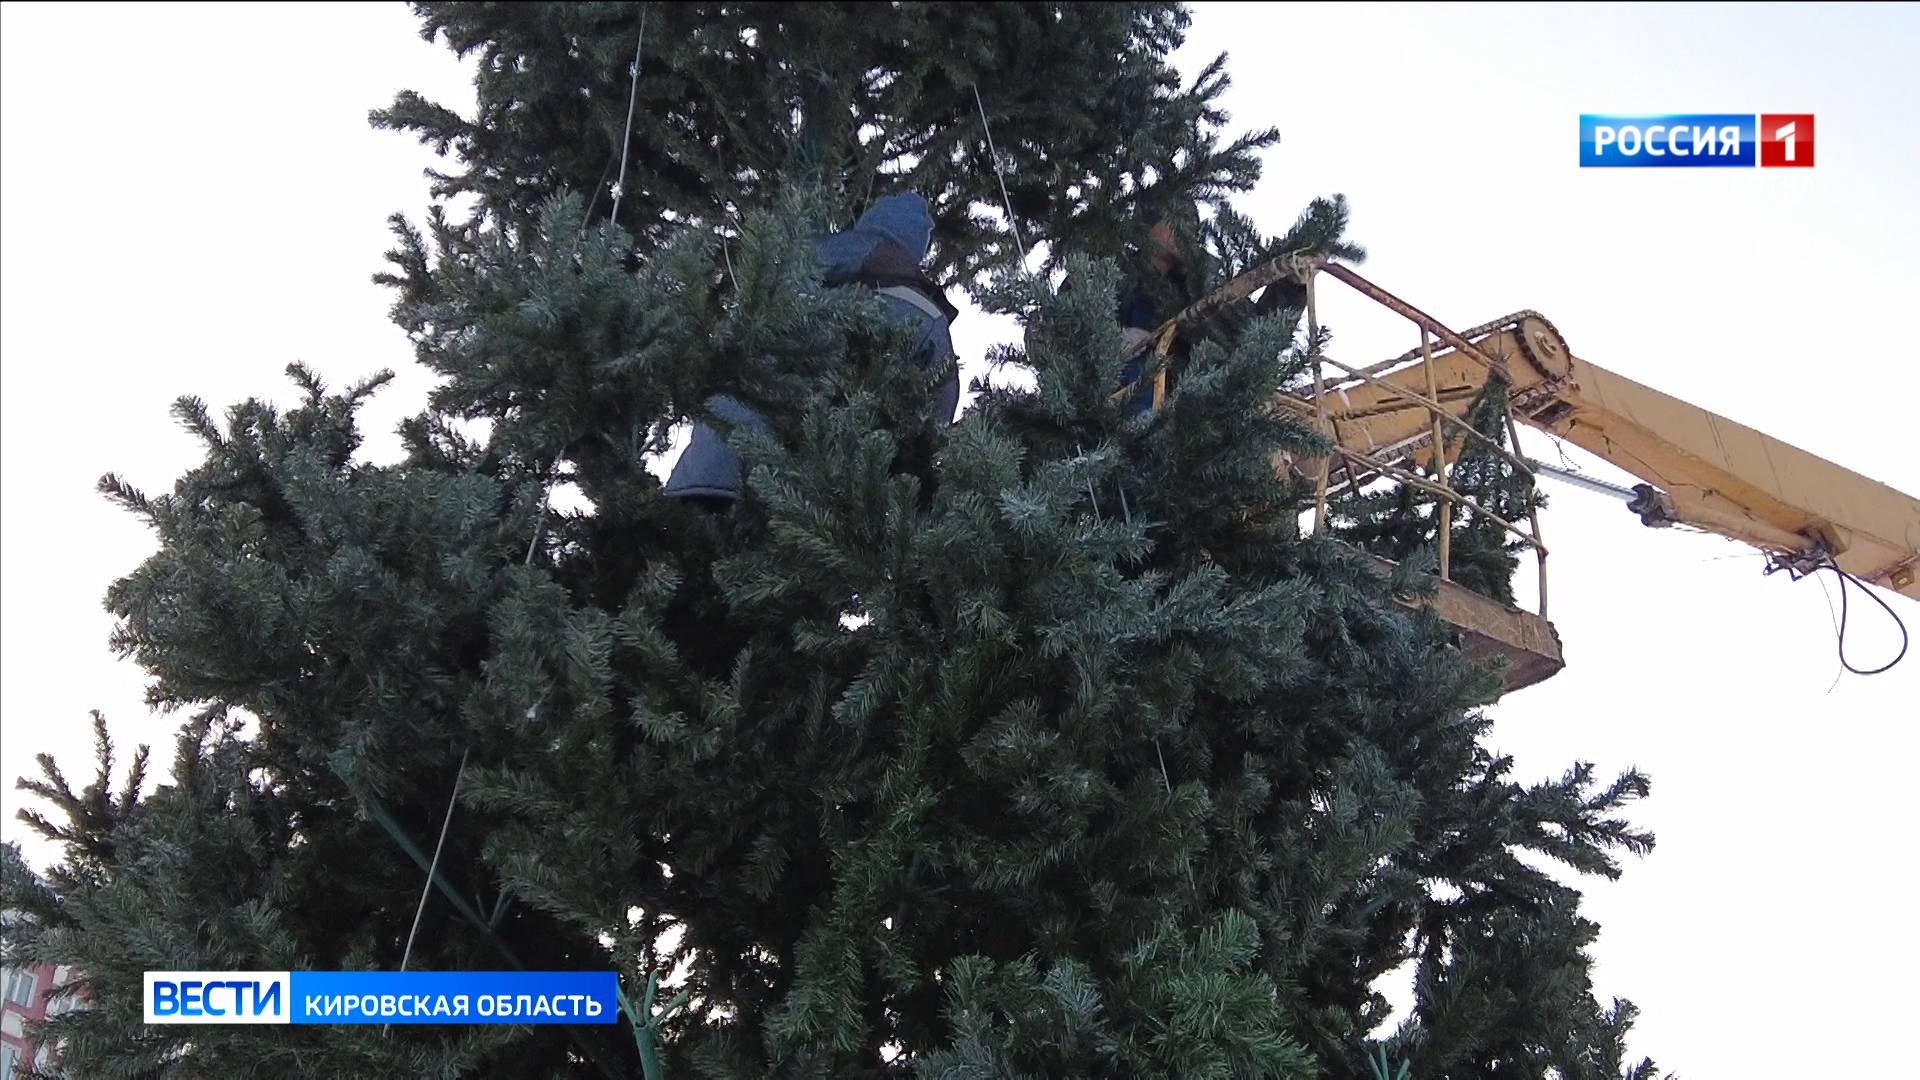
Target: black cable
1841, 634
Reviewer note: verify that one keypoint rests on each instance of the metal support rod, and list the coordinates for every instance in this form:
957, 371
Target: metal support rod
1239, 288
1581, 480
1379, 367
1402, 448
1292, 265
1471, 333
1427, 485
1160, 369
1533, 513
1393, 303
1319, 409
1445, 510
1353, 482
1399, 403
1540, 561
1433, 405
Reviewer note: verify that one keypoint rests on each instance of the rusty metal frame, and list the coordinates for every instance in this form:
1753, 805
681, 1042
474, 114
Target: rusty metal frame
1438, 417
1306, 270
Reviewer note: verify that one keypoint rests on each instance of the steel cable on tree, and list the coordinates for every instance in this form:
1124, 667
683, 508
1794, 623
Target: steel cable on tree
533, 545
650, 1063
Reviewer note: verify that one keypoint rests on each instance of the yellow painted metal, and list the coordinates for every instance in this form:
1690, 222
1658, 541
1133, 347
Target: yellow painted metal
1321, 422
1533, 518
1526, 644
1703, 469
1160, 350
1717, 474
1445, 509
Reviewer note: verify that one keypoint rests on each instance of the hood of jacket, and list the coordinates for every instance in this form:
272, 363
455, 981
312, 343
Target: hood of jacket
900, 220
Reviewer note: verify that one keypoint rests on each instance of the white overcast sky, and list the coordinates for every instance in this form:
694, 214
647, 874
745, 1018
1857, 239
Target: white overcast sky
192, 199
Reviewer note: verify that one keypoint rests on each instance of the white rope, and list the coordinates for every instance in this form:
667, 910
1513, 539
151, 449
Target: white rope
633, 95
1013, 225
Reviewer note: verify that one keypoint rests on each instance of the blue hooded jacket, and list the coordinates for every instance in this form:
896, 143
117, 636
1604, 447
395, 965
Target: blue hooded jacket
884, 249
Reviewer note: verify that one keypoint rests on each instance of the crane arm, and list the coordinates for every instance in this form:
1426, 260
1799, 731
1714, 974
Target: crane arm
1699, 468
1390, 419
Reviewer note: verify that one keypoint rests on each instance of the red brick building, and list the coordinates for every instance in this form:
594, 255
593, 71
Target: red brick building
23, 1001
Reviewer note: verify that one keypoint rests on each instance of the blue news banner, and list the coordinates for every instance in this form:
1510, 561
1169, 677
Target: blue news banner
381, 997
1678, 140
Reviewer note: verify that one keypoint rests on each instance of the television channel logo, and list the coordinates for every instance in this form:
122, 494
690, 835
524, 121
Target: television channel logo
1697, 141
381, 997
217, 997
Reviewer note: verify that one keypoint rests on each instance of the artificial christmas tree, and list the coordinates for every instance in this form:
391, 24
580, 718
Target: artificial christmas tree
1041, 745
1398, 521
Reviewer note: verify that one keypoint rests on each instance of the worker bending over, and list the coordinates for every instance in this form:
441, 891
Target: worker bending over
883, 250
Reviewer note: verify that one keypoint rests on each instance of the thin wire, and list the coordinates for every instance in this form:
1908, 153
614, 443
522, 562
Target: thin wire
1561, 449
595, 201
1833, 618
433, 867
540, 522
633, 95
1013, 224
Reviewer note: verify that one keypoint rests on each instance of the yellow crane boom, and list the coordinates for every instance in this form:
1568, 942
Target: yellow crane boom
1698, 468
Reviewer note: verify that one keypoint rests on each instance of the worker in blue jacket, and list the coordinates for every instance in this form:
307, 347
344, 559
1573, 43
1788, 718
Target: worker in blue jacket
883, 250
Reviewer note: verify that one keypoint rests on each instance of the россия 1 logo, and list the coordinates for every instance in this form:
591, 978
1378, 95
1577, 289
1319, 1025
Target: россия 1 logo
1697, 141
